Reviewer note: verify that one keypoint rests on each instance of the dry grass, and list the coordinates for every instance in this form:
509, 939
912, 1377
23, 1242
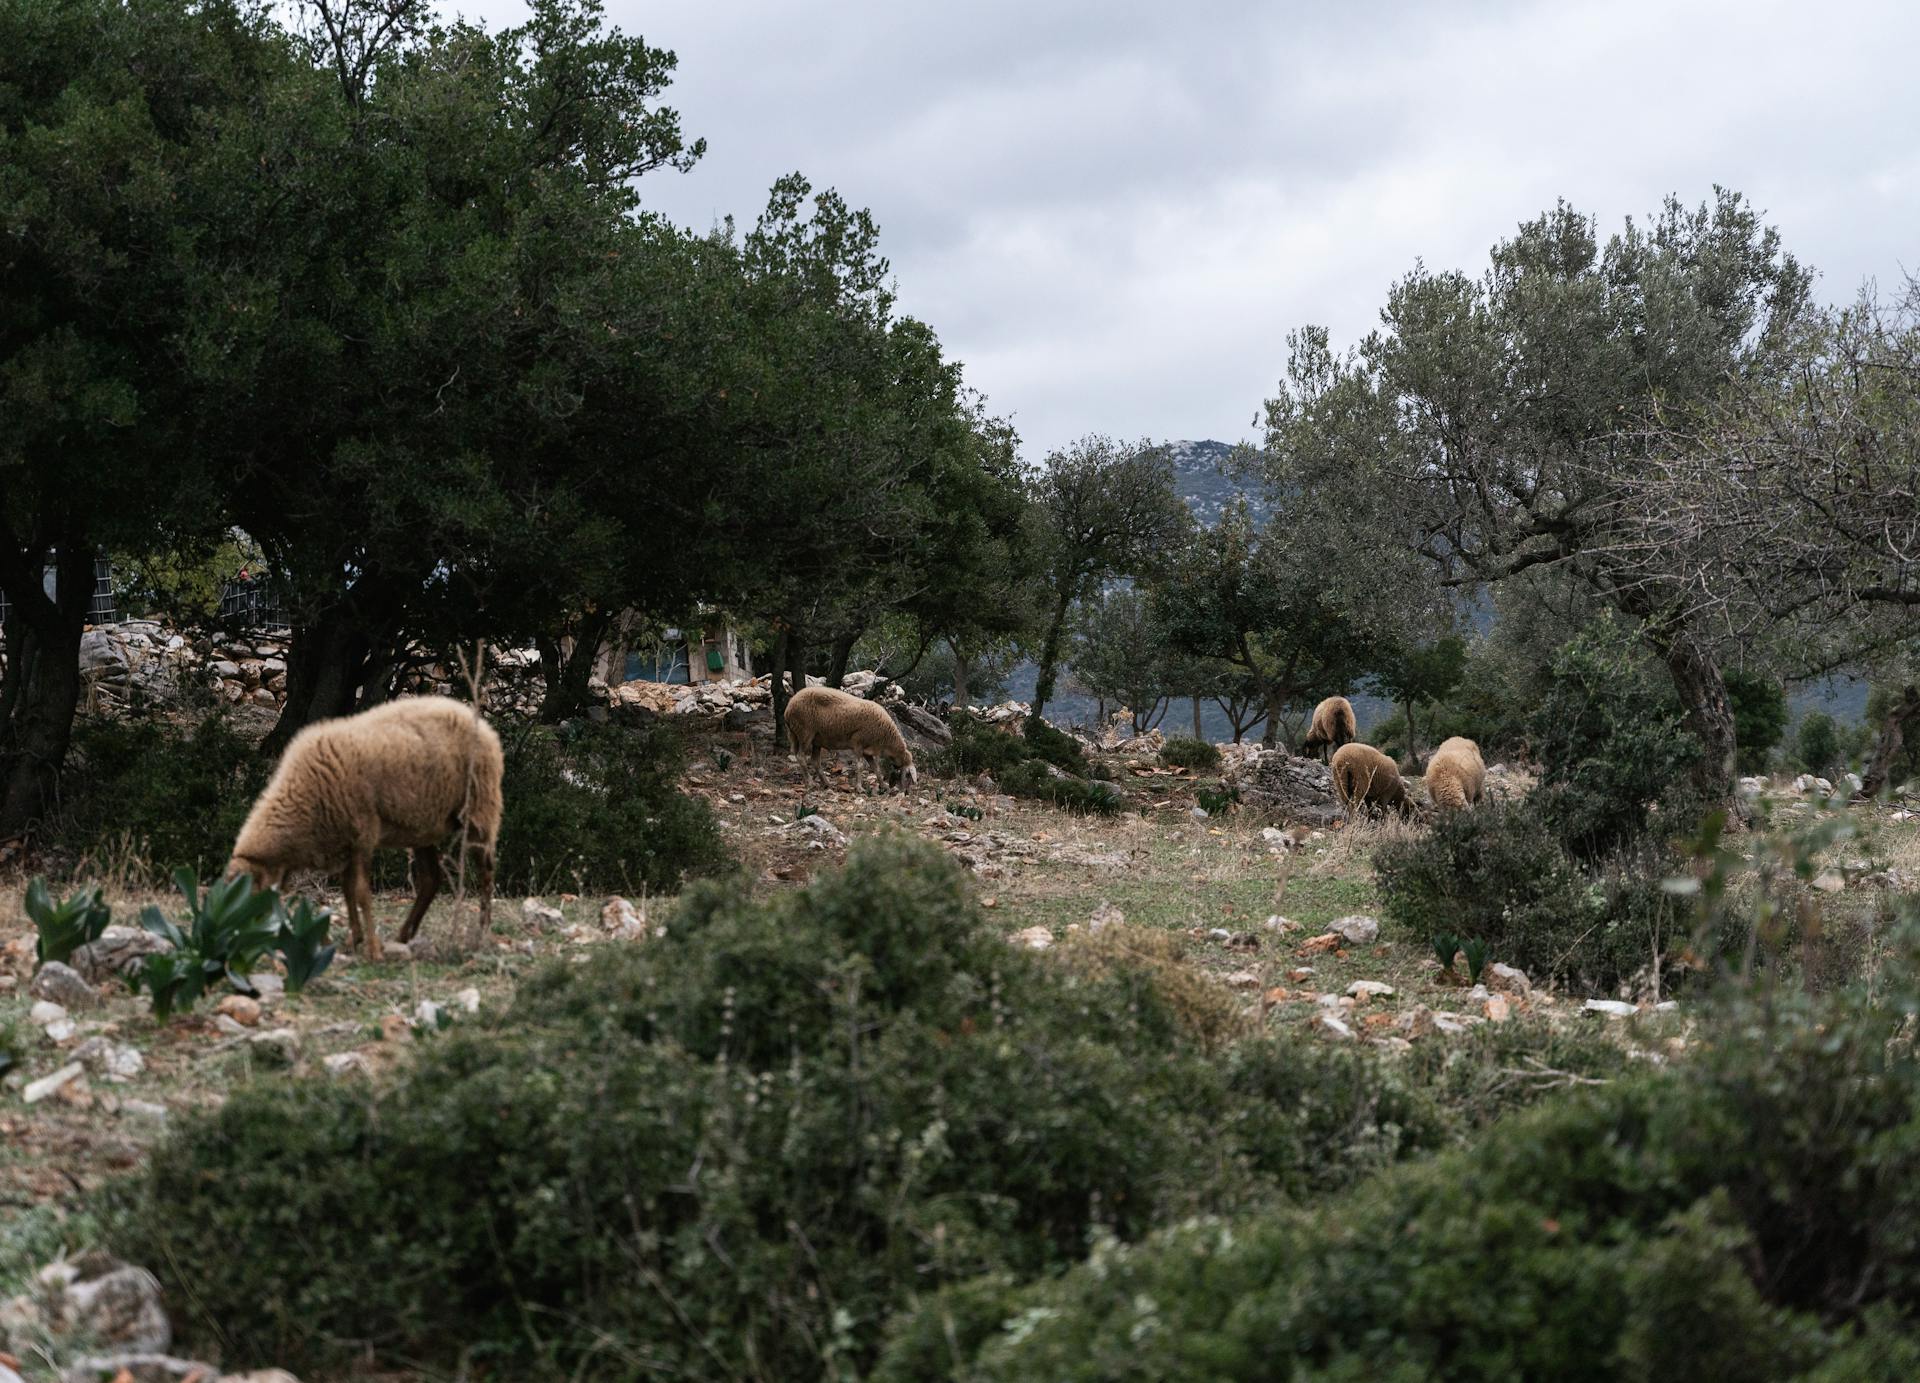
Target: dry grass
1203, 1008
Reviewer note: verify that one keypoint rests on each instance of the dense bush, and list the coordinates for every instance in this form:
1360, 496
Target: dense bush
1749, 1215
1054, 746
1817, 742
1038, 779
1759, 718
738, 1150
175, 795
1498, 875
593, 807
1185, 752
977, 747
1612, 742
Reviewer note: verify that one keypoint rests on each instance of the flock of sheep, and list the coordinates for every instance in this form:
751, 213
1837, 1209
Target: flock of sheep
1366, 779
414, 773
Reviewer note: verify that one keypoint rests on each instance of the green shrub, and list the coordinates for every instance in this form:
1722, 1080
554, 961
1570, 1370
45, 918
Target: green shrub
1759, 718
1611, 741
177, 795
740, 1149
1185, 752
1056, 747
1038, 779
64, 927
1215, 798
591, 807
977, 747
1747, 1215
229, 930
1817, 742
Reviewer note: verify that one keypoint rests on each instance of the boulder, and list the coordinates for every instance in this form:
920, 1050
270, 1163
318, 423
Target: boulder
1357, 930
1290, 787
923, 731
103, 657
118, 953
61, 984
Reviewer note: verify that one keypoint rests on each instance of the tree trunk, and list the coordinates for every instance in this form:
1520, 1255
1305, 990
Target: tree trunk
42, 688
842, 655
1703, 692
778, 677
1413, 740
1050, 656
1275, 704
326, 663
1892, 737
566, 685
959, 675
1196, 719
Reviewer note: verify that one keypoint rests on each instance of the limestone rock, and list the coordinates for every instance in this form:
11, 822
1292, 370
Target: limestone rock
117, 953
61, 984
1356, 930
1294, 788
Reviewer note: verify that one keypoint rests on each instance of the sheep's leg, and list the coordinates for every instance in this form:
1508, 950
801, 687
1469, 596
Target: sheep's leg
427, 879
486, 887
360, 920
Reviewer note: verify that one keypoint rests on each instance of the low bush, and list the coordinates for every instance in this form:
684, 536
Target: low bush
176, 794
1748, 1215
1036, 778
62, 928
739, 1150
592, 807
977, 747
1185, 752
1817, 743
1612, 743
1056, 747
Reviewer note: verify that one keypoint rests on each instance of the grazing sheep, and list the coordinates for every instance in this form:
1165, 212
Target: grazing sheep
409, 773
1332, 727
1364, 777
1456, 775
821, 718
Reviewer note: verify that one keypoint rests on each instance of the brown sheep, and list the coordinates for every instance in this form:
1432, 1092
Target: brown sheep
1364, 777
1332, 727
409, 773
822, 718
1456, 775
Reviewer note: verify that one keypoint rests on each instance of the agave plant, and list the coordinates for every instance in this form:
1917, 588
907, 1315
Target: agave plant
65, 927
303, 943
228, 930
1476, 953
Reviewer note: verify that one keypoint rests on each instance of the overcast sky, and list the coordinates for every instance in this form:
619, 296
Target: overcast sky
1114, 212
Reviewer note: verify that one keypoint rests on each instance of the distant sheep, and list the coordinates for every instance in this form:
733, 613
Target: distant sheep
1456, 775
1332, 727
821, 718
409, 773
1364, 777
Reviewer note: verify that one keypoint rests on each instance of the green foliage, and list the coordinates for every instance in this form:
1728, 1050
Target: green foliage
302, 943
1475, 950
1759, 717
1215, 798
177, 798
229, 929
976, 747
1038, 779
593, 807
1494, 879
12, 1047
1054, 746
1817, 742
1611, 742
1748, 1214
63, 928
1183, 751
1120, 654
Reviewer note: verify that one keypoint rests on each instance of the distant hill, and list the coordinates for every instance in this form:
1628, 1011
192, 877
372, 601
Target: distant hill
1200, 478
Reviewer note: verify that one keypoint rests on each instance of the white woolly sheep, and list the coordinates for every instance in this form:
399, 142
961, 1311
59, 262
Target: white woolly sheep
1456, 775
821, 718
410, 773
1332, 726
1364, 777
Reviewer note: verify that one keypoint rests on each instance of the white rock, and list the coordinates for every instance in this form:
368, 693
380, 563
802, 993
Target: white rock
51, 1085
345, 1064
143, 1109
63, 985
1198, 813
1356, 930
1219, 934
1033, 938
1324, 1024
1451, 1023
1667, 1006
1824, 785
1508, 979
1830, 881
1612, 1008
539, 914
45, 1011
427, 1014
467, 1000
1370, 989
1276, 839
823, 831
1243, 979
60, 1030
228, 1027
1277, 923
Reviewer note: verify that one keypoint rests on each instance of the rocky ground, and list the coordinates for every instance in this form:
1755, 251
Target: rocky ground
1283, 916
